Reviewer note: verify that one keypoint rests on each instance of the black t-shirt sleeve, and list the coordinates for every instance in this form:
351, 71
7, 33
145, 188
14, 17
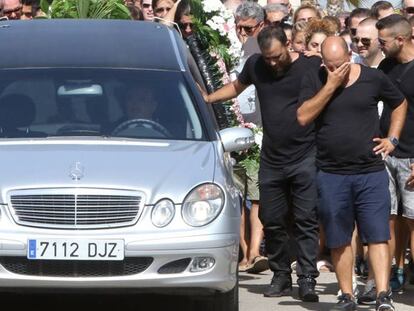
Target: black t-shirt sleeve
389, 93
245, 76
308, 87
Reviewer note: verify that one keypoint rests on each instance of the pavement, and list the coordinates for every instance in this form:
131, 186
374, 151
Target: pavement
252, 285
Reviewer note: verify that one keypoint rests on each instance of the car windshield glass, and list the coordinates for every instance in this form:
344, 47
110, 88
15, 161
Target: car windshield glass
97, 102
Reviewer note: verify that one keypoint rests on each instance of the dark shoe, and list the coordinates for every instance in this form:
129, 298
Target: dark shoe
384, 302
358, 266
307, 289
411, 269
397, 280
364, 269
368, 297
281, 285
345, 303
260, 264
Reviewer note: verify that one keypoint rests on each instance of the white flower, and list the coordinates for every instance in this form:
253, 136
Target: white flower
258, 138
210, 6
212, 25
219, 20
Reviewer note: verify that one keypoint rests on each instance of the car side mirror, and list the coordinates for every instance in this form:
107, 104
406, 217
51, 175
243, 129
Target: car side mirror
236, 138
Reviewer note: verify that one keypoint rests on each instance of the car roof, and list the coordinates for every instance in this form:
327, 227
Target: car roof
89, 43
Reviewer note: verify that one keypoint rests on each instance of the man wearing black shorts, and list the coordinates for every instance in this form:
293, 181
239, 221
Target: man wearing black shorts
352, 181
287, 162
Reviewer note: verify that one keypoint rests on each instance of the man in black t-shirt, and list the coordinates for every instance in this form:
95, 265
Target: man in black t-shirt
287, 163
395, 35
352, 181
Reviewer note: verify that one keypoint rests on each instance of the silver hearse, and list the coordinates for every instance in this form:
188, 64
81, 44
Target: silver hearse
113, 172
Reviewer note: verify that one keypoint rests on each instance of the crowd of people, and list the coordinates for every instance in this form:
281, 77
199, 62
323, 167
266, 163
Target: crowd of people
333, 94
336, 167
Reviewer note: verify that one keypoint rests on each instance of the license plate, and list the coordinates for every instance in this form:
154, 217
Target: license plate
66, 249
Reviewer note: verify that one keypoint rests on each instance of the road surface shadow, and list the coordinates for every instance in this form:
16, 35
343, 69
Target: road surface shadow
73, 302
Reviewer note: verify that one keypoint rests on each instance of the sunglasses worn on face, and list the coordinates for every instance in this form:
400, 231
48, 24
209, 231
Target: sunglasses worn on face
409, 10
364, 41
17, 10
384, 42
248, 29
146, 5
185, 25
161, 9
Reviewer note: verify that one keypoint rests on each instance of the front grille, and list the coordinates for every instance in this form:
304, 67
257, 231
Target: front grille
75, 268
75, 210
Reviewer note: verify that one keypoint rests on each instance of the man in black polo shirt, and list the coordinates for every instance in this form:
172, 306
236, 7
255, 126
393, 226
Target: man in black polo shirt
352, 181
395, 35
287, 164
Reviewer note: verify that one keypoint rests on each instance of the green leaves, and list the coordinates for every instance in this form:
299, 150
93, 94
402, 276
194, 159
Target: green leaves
44, 6
83, 8
217, 42
94, 9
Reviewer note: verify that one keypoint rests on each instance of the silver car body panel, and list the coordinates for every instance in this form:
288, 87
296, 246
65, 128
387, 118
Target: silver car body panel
155, 169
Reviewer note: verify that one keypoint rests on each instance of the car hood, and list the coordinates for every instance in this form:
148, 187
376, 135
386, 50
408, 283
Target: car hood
160, 169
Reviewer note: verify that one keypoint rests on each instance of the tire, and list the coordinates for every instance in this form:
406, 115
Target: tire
228, 301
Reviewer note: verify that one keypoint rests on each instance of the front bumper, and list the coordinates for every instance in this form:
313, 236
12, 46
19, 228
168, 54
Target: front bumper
221, 277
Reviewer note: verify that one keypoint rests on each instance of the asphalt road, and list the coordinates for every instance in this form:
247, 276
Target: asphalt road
252, 286
251, 299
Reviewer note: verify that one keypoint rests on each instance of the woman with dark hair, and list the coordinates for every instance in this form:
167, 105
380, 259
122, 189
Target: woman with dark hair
136, 13
183, 18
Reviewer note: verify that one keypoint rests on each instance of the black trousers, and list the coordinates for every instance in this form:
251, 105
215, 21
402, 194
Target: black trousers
290, 190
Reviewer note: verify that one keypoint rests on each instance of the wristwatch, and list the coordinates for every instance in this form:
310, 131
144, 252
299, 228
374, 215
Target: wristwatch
393, 140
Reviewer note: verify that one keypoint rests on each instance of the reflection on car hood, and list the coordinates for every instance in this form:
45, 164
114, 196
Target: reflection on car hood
162, 169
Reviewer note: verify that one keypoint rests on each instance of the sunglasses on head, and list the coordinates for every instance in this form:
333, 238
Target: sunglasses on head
364, 41
409, 10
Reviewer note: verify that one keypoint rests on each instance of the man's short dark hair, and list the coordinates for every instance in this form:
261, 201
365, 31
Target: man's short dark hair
397, 24
359, 13
380, 6
270, 33
35, 5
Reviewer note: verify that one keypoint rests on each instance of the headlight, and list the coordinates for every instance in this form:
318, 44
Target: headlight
162, 213
202, 205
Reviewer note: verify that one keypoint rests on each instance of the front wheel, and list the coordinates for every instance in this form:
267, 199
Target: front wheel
228, 301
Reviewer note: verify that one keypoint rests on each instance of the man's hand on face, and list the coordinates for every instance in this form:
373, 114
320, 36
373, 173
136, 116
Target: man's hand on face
410, 180
337, 77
